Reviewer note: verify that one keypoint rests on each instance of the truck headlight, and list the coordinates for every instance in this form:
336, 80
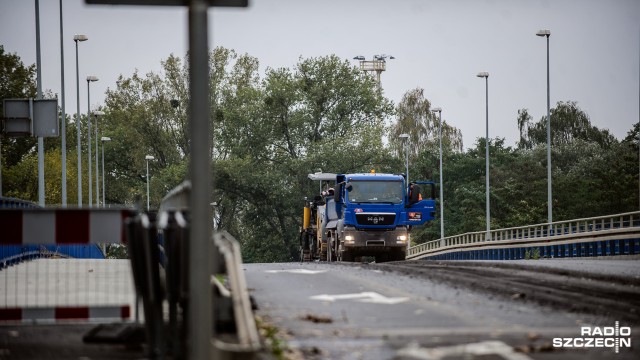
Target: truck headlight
402, 238
349, 239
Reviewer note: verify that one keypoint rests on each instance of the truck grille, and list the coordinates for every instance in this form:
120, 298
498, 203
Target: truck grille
375, 219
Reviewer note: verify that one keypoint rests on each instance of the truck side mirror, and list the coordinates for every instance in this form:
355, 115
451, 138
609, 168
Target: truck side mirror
349, 187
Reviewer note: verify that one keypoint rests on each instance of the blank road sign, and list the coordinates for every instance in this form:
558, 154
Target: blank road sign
17, 127
18, 120
16, 108
45, 118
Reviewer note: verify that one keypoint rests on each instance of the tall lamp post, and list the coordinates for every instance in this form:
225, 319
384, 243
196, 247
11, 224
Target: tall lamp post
63, 115
485, 75
405, 139
78, 38
104, 189
439, 111
96, 114
147, 158
41, 197
547, 33
90, 79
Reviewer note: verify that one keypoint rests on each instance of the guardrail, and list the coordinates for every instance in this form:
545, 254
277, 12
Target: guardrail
617, 234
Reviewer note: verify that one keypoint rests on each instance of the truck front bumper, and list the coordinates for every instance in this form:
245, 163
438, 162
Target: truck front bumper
372, 241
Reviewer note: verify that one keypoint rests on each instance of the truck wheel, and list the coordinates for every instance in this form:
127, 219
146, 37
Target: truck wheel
323, 252
336, 249
398, 255
380, 258
314, 248
347, 256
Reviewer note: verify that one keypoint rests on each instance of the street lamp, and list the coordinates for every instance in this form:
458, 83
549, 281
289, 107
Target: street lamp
104, 189
405, 138
439, 111
77, 38
90, 79
41, 196
63, 114
485, 75
547, 33
147, 158
96, 114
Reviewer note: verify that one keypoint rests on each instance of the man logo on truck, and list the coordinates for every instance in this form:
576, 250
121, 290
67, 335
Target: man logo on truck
375, 219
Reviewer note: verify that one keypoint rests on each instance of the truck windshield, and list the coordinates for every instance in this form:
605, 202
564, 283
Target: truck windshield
366, 191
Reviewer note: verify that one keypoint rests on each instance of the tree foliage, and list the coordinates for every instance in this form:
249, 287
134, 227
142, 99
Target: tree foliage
271, 129
592, 174
568, 123
322, 114
414, 117
17, 81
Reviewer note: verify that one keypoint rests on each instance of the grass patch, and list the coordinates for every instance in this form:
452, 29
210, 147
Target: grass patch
273, 341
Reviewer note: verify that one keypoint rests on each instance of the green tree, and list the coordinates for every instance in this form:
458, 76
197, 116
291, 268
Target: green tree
568, 123
323, 114
415, 118
146, 115
268, 134
16, 81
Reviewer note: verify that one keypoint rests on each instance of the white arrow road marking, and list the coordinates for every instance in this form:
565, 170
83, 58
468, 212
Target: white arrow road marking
414, 351
367, 297
381, 299
297, 271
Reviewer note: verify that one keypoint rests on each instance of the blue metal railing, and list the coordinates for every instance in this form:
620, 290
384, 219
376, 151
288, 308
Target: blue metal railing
14, 254
597, 236
13, 203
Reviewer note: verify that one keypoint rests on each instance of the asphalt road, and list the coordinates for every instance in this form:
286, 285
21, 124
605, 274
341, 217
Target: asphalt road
446, 310
406, 310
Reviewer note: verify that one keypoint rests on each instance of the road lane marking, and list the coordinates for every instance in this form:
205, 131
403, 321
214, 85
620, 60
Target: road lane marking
366, 297
297, 271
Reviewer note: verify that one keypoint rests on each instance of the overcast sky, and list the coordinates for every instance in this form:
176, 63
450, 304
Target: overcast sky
439, 45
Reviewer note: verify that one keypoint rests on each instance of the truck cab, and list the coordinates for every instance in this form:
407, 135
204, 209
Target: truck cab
374, 215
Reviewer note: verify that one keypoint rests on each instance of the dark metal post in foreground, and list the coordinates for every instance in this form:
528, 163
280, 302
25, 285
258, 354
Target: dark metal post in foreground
200, 249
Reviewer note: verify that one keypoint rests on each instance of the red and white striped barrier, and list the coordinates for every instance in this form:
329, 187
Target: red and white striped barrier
62, 226
87, 313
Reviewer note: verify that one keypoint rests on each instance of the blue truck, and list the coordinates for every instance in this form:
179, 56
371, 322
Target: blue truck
366, 214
